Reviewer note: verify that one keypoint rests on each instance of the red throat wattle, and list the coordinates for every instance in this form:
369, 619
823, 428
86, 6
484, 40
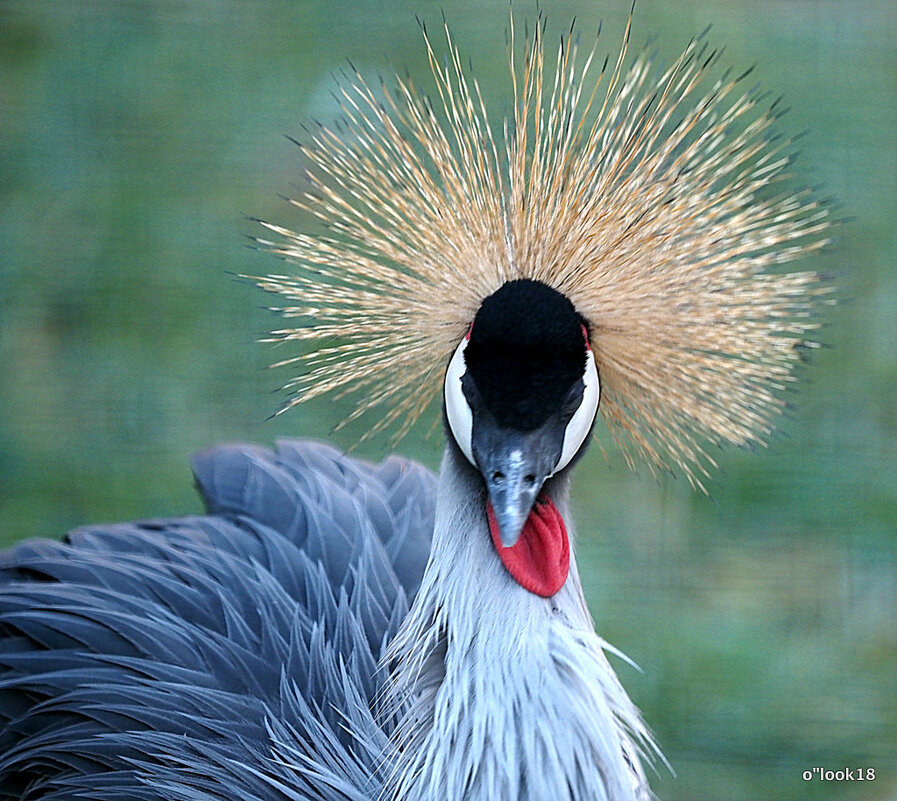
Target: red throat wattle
540, 559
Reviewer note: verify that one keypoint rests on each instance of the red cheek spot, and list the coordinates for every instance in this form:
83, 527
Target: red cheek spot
585, 336
469, 332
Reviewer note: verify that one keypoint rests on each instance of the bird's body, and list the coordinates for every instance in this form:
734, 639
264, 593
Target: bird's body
234, 655
333, 630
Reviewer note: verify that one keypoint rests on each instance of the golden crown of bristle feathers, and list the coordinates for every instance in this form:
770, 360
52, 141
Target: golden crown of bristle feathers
651, 206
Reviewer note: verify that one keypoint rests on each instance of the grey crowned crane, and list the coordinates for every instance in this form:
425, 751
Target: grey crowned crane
334, 629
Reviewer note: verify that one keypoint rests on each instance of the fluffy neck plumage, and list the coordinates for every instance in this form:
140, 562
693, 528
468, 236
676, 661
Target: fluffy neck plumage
504, 695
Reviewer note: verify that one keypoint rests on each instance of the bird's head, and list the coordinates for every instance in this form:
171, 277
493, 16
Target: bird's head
521, 395
671, 236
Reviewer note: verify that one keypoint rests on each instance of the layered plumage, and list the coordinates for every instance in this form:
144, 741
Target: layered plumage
227, 656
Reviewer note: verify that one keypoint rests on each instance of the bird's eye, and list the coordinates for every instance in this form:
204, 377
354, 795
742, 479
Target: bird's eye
581, 423
457, 409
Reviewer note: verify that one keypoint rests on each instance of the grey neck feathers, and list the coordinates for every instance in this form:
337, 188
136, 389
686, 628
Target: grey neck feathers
503, 695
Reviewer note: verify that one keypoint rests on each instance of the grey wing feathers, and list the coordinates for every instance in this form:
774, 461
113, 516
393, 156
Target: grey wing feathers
231, 655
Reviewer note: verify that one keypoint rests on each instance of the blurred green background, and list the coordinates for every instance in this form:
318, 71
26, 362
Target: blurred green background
136, 138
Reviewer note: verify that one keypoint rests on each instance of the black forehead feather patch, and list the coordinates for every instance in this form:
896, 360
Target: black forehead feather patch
526, 351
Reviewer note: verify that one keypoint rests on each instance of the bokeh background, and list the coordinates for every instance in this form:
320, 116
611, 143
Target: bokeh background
138, 138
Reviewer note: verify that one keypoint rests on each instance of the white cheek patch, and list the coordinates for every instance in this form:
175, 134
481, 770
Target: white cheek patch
457, 410
581, 423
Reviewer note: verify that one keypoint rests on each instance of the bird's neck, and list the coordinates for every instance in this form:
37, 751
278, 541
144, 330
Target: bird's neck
503, 694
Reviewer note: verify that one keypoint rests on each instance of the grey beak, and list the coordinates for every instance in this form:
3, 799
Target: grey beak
512, 488
514, 465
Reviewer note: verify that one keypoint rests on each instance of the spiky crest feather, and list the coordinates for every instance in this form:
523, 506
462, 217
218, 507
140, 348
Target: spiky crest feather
651, 208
